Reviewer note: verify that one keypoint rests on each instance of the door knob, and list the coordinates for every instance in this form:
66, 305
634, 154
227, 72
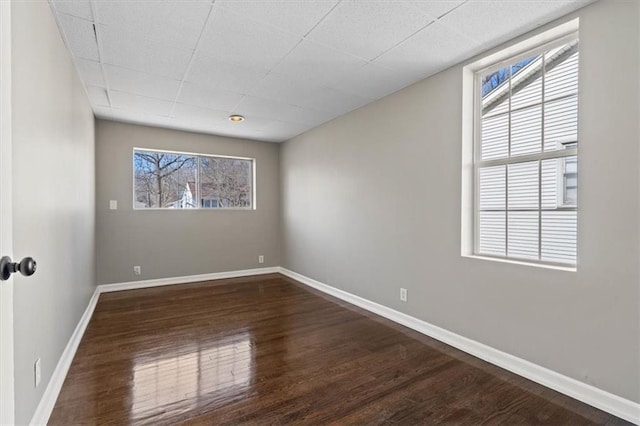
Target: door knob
26, 267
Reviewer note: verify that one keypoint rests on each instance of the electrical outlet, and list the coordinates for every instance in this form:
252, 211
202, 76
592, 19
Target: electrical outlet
113, 204
36, 372
261, 259
137, 270
403, 294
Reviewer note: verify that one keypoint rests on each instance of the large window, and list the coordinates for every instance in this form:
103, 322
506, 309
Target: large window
170, 180
526, 156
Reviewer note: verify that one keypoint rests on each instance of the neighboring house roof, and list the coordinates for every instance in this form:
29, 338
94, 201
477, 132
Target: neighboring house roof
528, 73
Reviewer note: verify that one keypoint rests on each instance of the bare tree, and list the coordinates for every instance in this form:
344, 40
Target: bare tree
161, 177
227, 180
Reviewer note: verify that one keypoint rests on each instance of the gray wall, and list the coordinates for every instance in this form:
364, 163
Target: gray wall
53, 197
372, 202
174, 243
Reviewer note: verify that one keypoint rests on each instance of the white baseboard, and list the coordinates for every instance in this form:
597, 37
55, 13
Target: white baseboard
50, 395
134, 285
581, 391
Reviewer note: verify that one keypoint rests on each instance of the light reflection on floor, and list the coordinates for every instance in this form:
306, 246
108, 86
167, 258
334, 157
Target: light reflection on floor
178, 382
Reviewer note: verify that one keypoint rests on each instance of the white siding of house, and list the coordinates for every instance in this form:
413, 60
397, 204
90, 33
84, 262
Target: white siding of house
510, 196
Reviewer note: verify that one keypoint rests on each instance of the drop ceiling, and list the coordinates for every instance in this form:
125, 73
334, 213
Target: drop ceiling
286, 65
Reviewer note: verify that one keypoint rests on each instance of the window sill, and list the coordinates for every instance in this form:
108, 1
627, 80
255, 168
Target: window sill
523, 263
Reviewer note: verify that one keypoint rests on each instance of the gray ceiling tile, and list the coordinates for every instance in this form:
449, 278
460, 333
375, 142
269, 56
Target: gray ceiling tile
298, 91
490, 22
375, 81
216, 74
140, 83
136, 117
233, 38
434, 8
201, 96
77, 8
90, 72
295, 16
140, 54
280, 111
369, 28
98, 96
190, 113
432, 49
80, 37
102, 112
318, 64
173, 23
141, 104
251, 59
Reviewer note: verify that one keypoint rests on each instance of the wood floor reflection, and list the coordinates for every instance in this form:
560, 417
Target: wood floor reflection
266, 350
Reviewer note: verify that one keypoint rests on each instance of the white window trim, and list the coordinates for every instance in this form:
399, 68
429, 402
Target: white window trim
472, 106
198, 208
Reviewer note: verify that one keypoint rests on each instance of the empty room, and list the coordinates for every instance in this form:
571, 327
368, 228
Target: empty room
310, 212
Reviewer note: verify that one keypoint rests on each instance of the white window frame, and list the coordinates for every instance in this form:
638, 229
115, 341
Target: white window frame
196, 195
471, 155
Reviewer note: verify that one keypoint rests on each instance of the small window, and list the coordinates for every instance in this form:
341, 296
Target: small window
526, 156
169, 180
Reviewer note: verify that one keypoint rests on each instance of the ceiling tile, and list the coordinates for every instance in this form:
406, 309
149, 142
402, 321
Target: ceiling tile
174, 23
375, 81
77, 8
90, 72
141, 54
369, 28
274, 110
98, 96
216, 74
140, 83
253, 58
489, 23
295, 16
80, 37
201, 96
319, 64
190, 113
142, 104
435, 9
102, 112
234, 39
431, 50
298, 91
136, 117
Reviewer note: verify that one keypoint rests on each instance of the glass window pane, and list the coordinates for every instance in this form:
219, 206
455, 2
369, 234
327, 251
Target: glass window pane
526, 131
526, 83
492, 186
495, 137
495, 92
491, 233
523, 235
523, 186
226, 182
559, 236
561, 78
560, 183
560, 124
164, 180
551, 183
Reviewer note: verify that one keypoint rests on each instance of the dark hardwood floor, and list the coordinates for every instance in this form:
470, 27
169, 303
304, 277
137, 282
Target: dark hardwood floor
265, 350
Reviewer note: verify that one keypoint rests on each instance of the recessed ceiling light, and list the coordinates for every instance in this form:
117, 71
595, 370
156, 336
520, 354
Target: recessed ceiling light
236, 118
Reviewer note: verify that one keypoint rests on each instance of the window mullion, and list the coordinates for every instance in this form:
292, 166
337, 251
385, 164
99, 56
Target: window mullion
197, 194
